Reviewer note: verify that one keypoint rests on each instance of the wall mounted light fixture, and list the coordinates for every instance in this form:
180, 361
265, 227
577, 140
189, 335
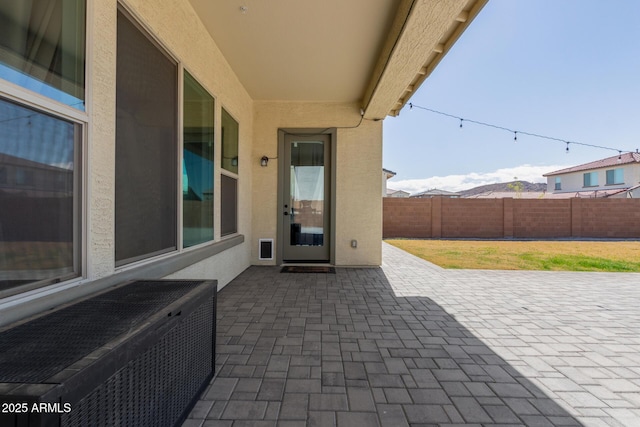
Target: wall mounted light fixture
264, 161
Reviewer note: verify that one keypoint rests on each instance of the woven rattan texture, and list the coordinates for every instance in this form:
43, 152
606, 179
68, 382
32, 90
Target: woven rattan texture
155, 388
37, 350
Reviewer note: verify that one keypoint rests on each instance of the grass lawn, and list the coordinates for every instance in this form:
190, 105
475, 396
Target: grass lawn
527, 255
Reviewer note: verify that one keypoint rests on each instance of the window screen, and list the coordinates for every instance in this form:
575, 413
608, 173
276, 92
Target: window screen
146, 147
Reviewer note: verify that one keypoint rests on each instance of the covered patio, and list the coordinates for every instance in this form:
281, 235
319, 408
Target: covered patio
412, 344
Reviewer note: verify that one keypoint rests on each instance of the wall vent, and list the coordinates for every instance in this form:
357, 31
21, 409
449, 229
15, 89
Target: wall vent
265, 249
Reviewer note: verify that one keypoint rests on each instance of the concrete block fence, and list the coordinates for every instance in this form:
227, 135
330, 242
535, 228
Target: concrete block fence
511, 218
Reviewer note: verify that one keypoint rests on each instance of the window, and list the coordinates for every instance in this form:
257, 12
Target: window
229, 143
615, 176
42, 45
39, 196
42, 49
229, 181
146, 147
590, 179
229, 210
197, 164
558, 183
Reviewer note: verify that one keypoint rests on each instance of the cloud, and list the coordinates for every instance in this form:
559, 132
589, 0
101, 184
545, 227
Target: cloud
470, 180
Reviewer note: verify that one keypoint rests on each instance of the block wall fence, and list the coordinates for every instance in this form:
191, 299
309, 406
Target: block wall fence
511, 218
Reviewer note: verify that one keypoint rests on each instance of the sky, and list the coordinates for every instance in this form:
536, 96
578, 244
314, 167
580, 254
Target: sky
565, 69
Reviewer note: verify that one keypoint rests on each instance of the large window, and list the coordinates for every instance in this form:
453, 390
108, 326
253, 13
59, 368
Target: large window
229, 179
146, 147
39, 197
197, 164
615, 176
42, 49
590, 179
42, 45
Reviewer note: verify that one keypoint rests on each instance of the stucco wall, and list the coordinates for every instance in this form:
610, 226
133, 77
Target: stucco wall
357, 170
178, 27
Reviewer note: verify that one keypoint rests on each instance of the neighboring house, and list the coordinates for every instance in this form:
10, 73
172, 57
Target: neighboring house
195, 138
386, 175
434, 192
396, 193
616, 176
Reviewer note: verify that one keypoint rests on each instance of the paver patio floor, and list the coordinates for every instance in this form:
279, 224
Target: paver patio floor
412, 344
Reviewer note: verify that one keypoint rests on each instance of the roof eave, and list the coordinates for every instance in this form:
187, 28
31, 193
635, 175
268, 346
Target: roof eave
421, 34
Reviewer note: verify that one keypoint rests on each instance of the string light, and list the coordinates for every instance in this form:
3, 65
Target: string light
516, 132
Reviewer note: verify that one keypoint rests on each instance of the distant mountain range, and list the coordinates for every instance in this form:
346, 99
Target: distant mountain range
504, 187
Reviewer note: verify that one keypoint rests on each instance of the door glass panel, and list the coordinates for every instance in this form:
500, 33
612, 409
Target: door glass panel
307, 193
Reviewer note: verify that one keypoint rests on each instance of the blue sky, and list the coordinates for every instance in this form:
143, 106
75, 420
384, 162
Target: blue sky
566, 69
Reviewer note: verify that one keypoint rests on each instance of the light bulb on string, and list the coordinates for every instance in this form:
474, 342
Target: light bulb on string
567, 151
515, 136
461, 122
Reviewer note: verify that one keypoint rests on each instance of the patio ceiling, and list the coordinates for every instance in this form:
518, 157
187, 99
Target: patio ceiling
375, 52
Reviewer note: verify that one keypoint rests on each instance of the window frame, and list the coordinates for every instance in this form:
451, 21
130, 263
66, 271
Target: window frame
148, 33
229, 174
39, 98
591, 176
79, 117
613, 175
558, 183
216, 133
43, 105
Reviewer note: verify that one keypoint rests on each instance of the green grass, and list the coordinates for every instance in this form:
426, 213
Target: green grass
529, 255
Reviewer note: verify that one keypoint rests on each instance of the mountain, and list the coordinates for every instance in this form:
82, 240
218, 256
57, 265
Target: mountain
504, 187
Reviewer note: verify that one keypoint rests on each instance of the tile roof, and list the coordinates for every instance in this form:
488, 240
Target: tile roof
623, 159
435, 192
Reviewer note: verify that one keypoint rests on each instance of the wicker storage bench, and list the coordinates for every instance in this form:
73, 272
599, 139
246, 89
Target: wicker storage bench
138, 354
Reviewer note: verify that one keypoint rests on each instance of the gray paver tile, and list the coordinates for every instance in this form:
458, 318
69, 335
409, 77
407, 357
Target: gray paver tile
413, 343
357, 419
426, 414
294, 406
244, 410
321, 419
360, 400
392, 415
328, 402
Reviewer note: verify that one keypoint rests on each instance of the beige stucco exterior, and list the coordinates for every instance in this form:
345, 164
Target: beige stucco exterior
179, 30
407, 35
357, 168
